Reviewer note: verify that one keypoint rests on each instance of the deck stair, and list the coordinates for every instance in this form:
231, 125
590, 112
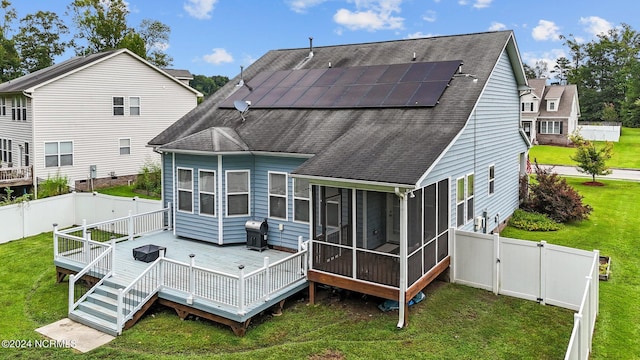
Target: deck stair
99, 309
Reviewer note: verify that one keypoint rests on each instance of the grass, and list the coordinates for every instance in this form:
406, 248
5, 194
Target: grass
624, 152
126, 191
453, 322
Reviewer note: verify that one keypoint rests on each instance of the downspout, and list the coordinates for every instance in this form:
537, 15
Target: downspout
220, 191
403, 257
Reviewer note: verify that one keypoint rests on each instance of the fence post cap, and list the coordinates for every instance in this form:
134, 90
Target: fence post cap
192, 255
240, 267
55, 224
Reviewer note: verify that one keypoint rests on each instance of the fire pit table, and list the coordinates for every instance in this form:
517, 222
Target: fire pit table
148, 253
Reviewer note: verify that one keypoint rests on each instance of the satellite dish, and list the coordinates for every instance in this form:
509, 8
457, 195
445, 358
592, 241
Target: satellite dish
241, 105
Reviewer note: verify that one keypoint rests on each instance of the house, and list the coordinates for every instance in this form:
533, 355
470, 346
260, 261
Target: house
183, 75
373, 151
88, 118
549, 112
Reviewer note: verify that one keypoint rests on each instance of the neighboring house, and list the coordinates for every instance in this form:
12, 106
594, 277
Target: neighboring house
549, 112
183, 75
374, 151
88, 118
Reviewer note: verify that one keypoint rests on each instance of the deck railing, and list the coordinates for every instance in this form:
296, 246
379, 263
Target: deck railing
14, 174
584, 321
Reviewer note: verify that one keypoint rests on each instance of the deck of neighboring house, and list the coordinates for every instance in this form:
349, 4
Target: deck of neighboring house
226, 284
16, 176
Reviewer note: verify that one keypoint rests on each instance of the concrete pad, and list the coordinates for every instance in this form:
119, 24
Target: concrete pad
75, 335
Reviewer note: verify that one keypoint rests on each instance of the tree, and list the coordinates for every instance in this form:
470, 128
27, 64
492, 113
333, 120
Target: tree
9, 57
208, 85
529, 72
590, 159
561, 69
101, 24
541, 69
38, 40
156, 40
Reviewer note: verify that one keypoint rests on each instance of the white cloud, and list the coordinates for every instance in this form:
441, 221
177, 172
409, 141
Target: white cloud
218, 56
481, 4
162, 46
371, 15
546, 30
301, 6
200, 9
429, 16
596, 25
496, 26
463, 2
419, 34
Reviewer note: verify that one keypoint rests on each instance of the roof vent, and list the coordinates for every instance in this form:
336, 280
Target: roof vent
310, 47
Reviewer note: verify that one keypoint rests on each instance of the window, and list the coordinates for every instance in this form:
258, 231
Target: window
278, 195
301, 200
134, 105
238, 192
118, 106
26, 154
492, 179
527, 106
551, 106
207, 191
185, 190
550, 127
460, 201
19, 108
58, 153
3, 106
470, 193
125, 146
5, 150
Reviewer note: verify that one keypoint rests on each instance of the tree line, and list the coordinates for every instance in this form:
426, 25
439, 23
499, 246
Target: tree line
32, 42
606, 71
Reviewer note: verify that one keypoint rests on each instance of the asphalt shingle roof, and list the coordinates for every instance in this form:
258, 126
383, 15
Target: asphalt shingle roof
385, 145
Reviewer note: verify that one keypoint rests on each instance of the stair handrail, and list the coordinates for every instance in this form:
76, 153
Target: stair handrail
72, 278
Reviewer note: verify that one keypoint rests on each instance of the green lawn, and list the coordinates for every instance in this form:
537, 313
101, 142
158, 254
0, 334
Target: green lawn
453, 322
126, 191
625, 152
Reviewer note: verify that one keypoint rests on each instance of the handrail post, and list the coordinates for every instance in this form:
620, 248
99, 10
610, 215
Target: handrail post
86, 248
113, 255
131, 227
169, 216
56, 251
267, 278
241, 294
119, 314
191, 279
72, 281
84, 228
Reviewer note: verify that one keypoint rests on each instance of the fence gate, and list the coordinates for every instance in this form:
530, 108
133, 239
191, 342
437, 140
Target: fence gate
521, 274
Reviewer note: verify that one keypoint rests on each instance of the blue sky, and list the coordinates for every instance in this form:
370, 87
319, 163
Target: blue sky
216, 37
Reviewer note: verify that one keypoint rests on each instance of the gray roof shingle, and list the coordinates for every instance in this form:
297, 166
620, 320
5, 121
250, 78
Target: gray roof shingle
383, 145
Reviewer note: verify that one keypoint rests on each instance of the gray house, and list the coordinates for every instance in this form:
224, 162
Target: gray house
373, 151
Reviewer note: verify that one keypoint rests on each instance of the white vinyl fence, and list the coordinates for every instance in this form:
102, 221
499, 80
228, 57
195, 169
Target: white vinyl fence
36, 216
600, 132
550, 274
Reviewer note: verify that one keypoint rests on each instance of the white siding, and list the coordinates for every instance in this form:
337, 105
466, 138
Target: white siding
79, 108
18, 132
490, 137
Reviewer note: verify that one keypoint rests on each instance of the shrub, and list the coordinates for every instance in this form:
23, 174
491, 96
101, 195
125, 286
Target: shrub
149, 179
532, 221
57, 185
551, 195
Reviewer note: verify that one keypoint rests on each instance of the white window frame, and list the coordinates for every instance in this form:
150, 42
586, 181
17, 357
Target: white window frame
461, 200
137, 106
307, 199
212, 193
179, 189
470, 180
248, 192
5, 150
527, 106
114, 106
27, 155
285, 196
120, 147
552, 105
544, 127
19, 108
3, 106
491, 180
59, 154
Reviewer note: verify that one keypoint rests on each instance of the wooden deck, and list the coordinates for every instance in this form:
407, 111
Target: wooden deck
225, 259
16, 176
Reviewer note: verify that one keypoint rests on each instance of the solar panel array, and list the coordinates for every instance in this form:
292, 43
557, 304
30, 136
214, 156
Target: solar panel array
418, 84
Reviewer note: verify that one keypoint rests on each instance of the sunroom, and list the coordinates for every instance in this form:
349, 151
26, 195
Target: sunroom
376, 242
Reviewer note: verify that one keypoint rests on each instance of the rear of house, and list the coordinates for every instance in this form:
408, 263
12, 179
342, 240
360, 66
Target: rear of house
373, 151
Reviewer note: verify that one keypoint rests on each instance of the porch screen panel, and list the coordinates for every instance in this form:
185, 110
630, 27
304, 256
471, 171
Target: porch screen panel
443, 206
415, 267
429, 255
378, 268
430, 212
414, 230
333, 259
443, 246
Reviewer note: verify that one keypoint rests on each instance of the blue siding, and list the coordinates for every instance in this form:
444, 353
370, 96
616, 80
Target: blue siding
494, 129
167, 179
234, 231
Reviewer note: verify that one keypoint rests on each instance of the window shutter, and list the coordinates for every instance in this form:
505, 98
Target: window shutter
538, 127
561, 127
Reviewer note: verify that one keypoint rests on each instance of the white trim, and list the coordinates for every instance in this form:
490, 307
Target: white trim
294, 197
175, 191
139, 105
243, 152
469, 197
220, 203
352, 183
248, 193
120, 147
59, 154
177, 185
285, 196
464, 200
214, 193
491, 180
114, 106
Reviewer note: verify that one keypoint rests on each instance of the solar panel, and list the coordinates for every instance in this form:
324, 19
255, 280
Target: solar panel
397, 85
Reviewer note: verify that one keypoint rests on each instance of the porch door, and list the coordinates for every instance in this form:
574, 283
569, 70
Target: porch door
333, 215
526, 126
393, 219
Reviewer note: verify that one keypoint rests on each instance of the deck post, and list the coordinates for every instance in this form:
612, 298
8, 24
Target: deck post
55, 241
72, 281
267, 278
113, 255
241, 294
130, 225
84, 228
86, 248
119, 314
192, 282
169, 217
